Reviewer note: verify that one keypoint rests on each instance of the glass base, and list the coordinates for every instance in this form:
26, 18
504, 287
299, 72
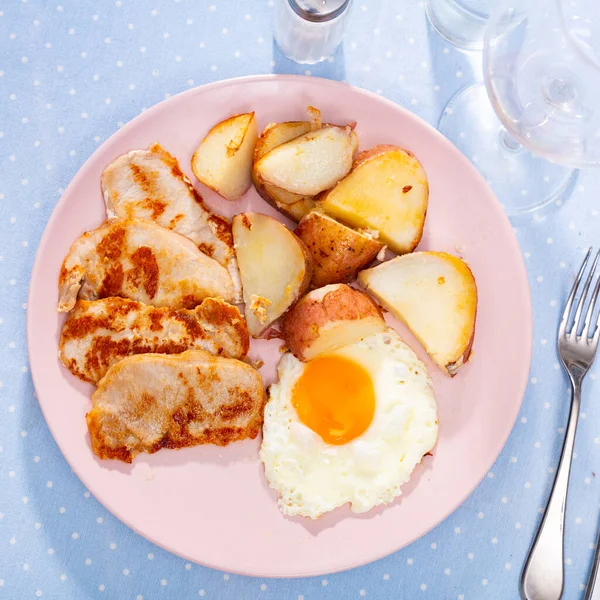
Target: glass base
461, 22
522, 181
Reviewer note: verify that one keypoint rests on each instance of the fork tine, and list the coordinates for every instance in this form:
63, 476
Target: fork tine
582, 299
590, 311
565, 317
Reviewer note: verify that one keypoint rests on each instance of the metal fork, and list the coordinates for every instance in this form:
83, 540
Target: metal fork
543, 574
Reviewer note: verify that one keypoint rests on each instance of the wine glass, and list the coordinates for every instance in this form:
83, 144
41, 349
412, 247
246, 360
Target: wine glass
461, 22
541, 62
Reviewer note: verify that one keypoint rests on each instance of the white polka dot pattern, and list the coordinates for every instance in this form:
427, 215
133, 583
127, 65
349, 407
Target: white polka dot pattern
71, 74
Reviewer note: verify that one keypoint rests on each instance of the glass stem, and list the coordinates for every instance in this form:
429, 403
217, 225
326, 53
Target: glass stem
507, 141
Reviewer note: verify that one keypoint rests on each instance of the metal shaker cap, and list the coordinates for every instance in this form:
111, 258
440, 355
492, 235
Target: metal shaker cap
319, 11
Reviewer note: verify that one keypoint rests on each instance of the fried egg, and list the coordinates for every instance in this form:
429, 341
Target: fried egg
347, 427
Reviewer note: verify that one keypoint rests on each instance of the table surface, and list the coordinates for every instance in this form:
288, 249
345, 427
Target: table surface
70, 75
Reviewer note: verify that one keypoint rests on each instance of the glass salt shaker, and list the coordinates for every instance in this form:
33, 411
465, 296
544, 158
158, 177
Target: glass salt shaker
309, 31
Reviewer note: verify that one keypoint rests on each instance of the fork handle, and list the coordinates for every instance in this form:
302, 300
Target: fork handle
543, 574
593, 587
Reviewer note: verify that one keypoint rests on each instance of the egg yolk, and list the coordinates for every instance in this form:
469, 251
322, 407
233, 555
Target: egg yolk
334, 396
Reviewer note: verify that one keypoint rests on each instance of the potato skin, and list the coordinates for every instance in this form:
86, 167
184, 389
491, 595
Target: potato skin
305, 283
453, 368
294, 211
366, 155
297, 210
338, 252
302, 324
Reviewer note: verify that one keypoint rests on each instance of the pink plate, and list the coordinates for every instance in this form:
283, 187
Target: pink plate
211, 505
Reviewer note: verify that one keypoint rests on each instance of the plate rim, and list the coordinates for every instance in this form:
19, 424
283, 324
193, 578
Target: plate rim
503, 221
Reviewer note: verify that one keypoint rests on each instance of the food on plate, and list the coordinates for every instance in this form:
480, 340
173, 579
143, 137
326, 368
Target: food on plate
294, 206
223, 160
310, 163
141, 261
348, 426
337, 251
387, 191
328, 318
276, 134
99, 334
314, 114
275, 267
294, 211
353, 412
153, 401
149, 185
435, 294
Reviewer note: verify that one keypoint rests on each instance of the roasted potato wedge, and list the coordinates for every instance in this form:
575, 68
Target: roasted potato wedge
337, 251
293, 206
275, 267
276, 134
387, 191
435, 294
310, 163
297, 210
223, 161
329, 318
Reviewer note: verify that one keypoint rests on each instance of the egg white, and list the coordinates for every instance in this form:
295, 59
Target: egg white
313, 477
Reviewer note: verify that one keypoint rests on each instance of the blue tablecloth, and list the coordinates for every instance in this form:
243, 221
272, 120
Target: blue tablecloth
71, 73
